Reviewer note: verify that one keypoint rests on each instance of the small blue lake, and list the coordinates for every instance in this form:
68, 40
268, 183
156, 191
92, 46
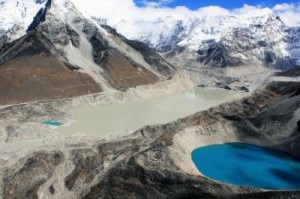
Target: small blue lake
248, 165
53, 123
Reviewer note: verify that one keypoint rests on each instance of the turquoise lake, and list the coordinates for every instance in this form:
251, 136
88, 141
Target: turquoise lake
53, 123
248, 165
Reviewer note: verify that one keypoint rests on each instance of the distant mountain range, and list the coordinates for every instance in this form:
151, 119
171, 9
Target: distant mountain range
220, 40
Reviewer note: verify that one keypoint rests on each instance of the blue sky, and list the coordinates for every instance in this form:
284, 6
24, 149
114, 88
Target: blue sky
229, 4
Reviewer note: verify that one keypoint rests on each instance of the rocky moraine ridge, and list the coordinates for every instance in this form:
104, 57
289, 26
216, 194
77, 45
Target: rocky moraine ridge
155, 161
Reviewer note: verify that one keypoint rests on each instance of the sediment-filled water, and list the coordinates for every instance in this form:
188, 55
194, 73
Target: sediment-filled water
130, 116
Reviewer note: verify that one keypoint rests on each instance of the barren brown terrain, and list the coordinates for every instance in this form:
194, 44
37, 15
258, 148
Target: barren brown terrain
41, 77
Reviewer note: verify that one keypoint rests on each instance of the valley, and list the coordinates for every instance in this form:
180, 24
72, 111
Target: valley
100, 118
100, 107
163, 151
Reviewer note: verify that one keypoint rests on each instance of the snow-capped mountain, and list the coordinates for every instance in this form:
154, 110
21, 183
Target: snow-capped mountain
16, 16
215, 40
62, 53
219, 40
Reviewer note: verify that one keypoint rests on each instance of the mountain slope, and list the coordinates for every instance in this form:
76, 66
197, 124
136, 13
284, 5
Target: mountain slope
34, 73
65, 51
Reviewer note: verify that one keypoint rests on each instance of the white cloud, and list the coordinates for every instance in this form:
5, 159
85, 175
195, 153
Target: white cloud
289, 13
159, 3
212, 10
246, 9
97, 7
119, 10
282, 7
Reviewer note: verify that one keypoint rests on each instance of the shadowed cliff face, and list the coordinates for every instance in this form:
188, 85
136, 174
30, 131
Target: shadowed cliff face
143, 165
41, 16
217, 55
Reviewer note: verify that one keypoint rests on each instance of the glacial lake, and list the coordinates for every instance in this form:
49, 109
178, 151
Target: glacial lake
52, 123
248, 165
105, 120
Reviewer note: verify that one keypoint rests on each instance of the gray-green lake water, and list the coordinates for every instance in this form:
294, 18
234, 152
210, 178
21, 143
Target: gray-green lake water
130, 116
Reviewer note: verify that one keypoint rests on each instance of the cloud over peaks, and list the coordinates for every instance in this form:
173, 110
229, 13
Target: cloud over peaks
118, 10
289, 13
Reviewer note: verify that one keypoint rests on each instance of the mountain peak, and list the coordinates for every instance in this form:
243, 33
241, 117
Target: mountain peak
16, 16
59, 39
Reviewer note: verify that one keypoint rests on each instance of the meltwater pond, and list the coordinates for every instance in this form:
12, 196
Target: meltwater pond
248, 165
52, 123
103, 120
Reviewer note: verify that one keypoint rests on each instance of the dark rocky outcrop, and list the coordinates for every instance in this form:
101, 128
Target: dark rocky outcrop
100, 48
139, 182
74, 36
33, 172
284, 88
294, 72
3, 40
87, 165
217, 55
40, 17
269, 195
